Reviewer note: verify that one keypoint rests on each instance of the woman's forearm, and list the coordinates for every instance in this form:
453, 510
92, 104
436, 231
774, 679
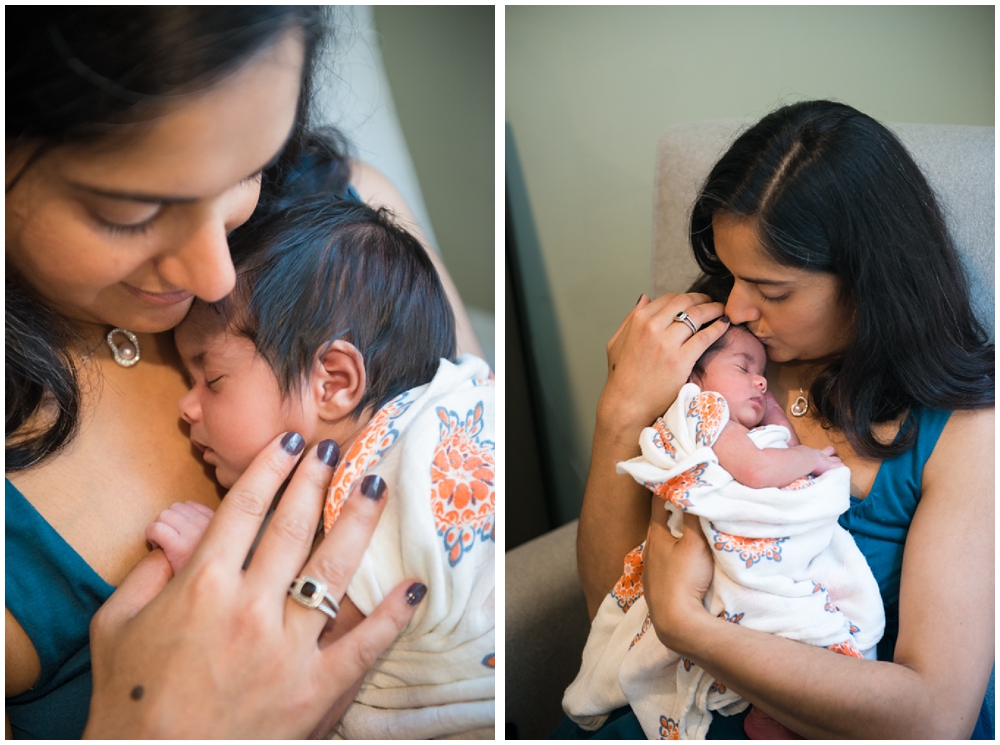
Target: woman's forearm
614, 516
818, 693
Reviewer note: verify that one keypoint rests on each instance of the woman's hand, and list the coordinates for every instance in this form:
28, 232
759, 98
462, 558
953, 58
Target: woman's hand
651, 356
676, 575
227, 653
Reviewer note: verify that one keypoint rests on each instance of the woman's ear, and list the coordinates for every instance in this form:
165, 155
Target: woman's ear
338, 380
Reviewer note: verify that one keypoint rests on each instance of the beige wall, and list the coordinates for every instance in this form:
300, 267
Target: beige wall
588, 91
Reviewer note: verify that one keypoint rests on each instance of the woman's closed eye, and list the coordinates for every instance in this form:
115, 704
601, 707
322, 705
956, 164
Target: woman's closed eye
120, 218
773, 298
209, 383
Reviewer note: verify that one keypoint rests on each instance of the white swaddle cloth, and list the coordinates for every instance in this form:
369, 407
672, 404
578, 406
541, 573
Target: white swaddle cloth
434, 447
782, 565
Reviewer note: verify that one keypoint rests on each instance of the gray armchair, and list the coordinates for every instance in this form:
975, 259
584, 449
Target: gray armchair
546, 617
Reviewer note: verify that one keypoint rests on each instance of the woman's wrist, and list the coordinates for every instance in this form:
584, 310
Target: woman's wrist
686, 628
618, 424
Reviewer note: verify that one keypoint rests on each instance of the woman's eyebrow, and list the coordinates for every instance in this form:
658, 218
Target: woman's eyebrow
765, 281
165, 199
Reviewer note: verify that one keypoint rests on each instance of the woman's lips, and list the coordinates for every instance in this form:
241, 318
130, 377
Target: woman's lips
158, 298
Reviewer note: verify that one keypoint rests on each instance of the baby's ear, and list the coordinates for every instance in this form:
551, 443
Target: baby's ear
338, 380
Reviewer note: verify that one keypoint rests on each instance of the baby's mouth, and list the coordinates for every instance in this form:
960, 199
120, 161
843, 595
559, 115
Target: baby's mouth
205, 450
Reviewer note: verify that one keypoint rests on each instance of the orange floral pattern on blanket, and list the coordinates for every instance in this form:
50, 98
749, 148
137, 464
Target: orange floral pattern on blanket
377, 437
707, 409
462, 483
848, 648
664, 438
830, 607
647, 622
802, 483
669, 729
628, 589
678, 489
751, 550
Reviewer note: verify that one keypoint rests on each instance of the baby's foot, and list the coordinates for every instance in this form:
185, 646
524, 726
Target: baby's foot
178, 530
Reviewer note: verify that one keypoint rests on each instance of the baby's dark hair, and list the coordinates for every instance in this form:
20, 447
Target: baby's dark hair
325, 269
717, 346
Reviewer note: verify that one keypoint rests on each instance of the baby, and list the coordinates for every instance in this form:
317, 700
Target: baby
733, 367
768, 506
338, 329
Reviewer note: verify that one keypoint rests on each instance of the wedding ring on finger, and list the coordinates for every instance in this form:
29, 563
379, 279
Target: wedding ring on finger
684, 318
310, 592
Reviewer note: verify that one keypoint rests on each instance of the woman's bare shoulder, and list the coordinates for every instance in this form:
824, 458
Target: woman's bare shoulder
375, 188
963, 456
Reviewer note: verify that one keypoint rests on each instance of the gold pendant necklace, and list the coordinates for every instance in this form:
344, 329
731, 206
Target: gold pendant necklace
800, 406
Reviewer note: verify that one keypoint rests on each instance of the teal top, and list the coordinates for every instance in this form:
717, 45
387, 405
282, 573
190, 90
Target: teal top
879, 524
53, 593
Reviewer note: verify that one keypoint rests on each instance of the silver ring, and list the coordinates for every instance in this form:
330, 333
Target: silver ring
310, 592
684, 318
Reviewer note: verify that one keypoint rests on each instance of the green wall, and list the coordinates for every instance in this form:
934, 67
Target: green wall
440, 65
588, 91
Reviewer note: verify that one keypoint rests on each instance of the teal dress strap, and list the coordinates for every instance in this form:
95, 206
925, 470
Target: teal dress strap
53, 593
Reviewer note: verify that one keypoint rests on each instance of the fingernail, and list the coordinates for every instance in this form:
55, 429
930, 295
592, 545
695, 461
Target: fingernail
373, 487
725, 319
639, 300
292, 443
415, 593
328, 452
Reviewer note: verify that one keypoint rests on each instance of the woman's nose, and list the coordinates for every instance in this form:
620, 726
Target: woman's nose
738, 306
202, 265
189, 407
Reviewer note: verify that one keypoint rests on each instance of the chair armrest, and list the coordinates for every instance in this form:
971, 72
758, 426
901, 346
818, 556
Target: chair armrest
546, 629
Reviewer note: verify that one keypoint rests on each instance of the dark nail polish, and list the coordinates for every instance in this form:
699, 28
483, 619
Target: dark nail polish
373, 487
725, 319
293, 443
328, 452
640, 298
415, 593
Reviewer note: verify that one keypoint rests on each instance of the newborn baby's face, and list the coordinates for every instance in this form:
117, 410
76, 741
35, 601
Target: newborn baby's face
235, 407
737, 373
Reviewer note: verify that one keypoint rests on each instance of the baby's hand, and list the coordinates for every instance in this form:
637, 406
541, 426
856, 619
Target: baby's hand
773, 413
828, 460
178, 530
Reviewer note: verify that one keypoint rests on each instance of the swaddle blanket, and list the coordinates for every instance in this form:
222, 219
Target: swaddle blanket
782, 565
434, 447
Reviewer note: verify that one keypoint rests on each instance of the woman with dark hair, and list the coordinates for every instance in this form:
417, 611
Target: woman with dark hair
137, 139
827, 242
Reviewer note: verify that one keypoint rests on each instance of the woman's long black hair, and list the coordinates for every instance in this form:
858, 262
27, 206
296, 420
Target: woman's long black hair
829, 189
76, 75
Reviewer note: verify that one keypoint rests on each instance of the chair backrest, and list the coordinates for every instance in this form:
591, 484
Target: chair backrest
958, 162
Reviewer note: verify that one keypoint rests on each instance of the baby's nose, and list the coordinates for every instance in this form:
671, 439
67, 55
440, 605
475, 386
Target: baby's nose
188, 407
761, 383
